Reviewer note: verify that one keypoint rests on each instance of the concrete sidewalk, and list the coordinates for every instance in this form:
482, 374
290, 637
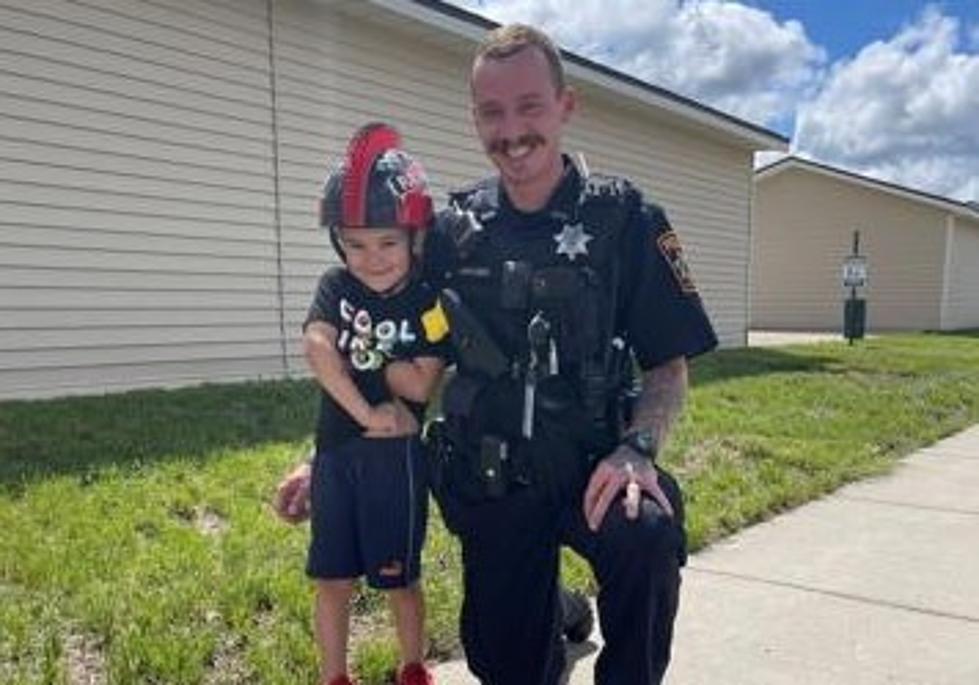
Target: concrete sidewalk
877, 583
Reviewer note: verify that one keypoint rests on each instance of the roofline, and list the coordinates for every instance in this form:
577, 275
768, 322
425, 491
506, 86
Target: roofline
471, 26
963, 209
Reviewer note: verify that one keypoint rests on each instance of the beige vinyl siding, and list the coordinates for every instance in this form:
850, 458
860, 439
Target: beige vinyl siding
962, 308
137, 241
804, 222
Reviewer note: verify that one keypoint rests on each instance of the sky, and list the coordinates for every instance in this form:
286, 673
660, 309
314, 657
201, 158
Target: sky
887, 88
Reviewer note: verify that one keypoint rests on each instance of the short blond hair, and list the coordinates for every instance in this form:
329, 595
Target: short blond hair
505, 41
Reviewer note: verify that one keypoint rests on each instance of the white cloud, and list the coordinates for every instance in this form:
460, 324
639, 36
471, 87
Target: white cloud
734, 57
905, 110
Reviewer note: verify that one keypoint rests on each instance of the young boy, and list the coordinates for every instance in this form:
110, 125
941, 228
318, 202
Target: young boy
375, 338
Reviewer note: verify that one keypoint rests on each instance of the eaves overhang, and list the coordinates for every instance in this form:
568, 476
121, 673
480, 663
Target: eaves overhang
963, 209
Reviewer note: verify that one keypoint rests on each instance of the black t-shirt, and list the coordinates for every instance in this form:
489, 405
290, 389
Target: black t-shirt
658, 310
371, 330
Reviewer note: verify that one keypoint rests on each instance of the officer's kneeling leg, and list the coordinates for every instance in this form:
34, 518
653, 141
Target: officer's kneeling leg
637, 565
510, 620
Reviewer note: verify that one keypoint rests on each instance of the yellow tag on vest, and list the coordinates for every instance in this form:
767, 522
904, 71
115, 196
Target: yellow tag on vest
435, 323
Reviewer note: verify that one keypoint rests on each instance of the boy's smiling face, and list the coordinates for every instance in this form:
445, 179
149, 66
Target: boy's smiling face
380, 258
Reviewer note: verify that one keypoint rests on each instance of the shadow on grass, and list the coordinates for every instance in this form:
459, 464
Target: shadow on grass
964, 333
78, 435
757, 361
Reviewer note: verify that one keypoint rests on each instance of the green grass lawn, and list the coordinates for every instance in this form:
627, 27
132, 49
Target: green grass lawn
137, 543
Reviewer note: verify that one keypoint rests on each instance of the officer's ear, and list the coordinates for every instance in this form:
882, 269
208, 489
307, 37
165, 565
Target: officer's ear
568, 101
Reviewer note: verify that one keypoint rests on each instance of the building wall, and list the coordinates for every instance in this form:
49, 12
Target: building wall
158, 180
804, 222
137, 240
962, 307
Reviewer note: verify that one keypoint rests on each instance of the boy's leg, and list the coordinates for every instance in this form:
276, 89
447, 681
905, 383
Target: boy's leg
408, 607
334, 557
392, 490
392, 510
334, 550
332, 620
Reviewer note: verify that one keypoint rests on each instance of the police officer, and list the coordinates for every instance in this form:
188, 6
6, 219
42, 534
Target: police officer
562, 272
560, 279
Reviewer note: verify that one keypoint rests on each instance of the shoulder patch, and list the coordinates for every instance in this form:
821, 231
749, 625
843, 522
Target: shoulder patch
669, 246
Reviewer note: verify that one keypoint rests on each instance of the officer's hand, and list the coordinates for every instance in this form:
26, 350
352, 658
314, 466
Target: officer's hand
621, 473
292, 495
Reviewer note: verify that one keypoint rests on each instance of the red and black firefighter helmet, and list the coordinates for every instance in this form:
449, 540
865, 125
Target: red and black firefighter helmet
378, 186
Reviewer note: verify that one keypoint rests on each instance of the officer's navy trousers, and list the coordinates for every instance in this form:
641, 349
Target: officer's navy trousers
511, 626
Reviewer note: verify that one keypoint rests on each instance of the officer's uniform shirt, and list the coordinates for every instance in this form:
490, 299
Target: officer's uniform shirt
657, 307
371, 330
663, 314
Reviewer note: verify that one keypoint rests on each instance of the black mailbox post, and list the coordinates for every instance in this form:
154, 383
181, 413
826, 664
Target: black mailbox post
854, 308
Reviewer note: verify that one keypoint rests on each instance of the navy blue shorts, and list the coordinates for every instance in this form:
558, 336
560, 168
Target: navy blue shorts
369, 512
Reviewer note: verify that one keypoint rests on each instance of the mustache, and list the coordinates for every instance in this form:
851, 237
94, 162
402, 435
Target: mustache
503, 145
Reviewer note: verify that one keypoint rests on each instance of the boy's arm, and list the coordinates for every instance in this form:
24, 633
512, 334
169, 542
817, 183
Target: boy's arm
319, 347
414, 379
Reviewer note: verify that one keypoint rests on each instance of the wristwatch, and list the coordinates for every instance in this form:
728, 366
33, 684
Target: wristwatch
643, 442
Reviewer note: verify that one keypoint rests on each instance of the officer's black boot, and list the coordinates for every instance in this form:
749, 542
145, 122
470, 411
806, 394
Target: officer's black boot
577, 617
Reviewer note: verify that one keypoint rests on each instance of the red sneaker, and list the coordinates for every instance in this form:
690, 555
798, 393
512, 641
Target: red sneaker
415, 674
341, 680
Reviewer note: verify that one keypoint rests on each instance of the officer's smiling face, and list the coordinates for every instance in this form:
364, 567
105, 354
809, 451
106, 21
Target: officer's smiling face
519, 115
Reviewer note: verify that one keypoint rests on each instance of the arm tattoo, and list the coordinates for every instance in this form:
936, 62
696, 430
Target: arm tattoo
664, 389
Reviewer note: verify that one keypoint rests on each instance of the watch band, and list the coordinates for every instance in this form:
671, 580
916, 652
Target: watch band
642, 442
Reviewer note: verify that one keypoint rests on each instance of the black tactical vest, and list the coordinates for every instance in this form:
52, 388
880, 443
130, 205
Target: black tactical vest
562, 265
563, 262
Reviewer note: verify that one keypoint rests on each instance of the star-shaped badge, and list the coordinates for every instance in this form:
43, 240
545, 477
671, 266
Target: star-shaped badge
572, 241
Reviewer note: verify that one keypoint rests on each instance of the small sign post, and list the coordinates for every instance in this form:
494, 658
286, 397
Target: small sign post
854, 308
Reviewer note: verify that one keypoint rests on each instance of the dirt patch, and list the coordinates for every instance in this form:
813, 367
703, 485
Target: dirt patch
228, 665
85, 659
209, 522
365, 627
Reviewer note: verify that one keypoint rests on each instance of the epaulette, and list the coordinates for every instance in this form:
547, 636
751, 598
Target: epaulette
601, 186
482, 199
469, 208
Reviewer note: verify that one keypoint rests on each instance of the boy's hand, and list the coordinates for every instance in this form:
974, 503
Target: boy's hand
404, 424
381, 421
